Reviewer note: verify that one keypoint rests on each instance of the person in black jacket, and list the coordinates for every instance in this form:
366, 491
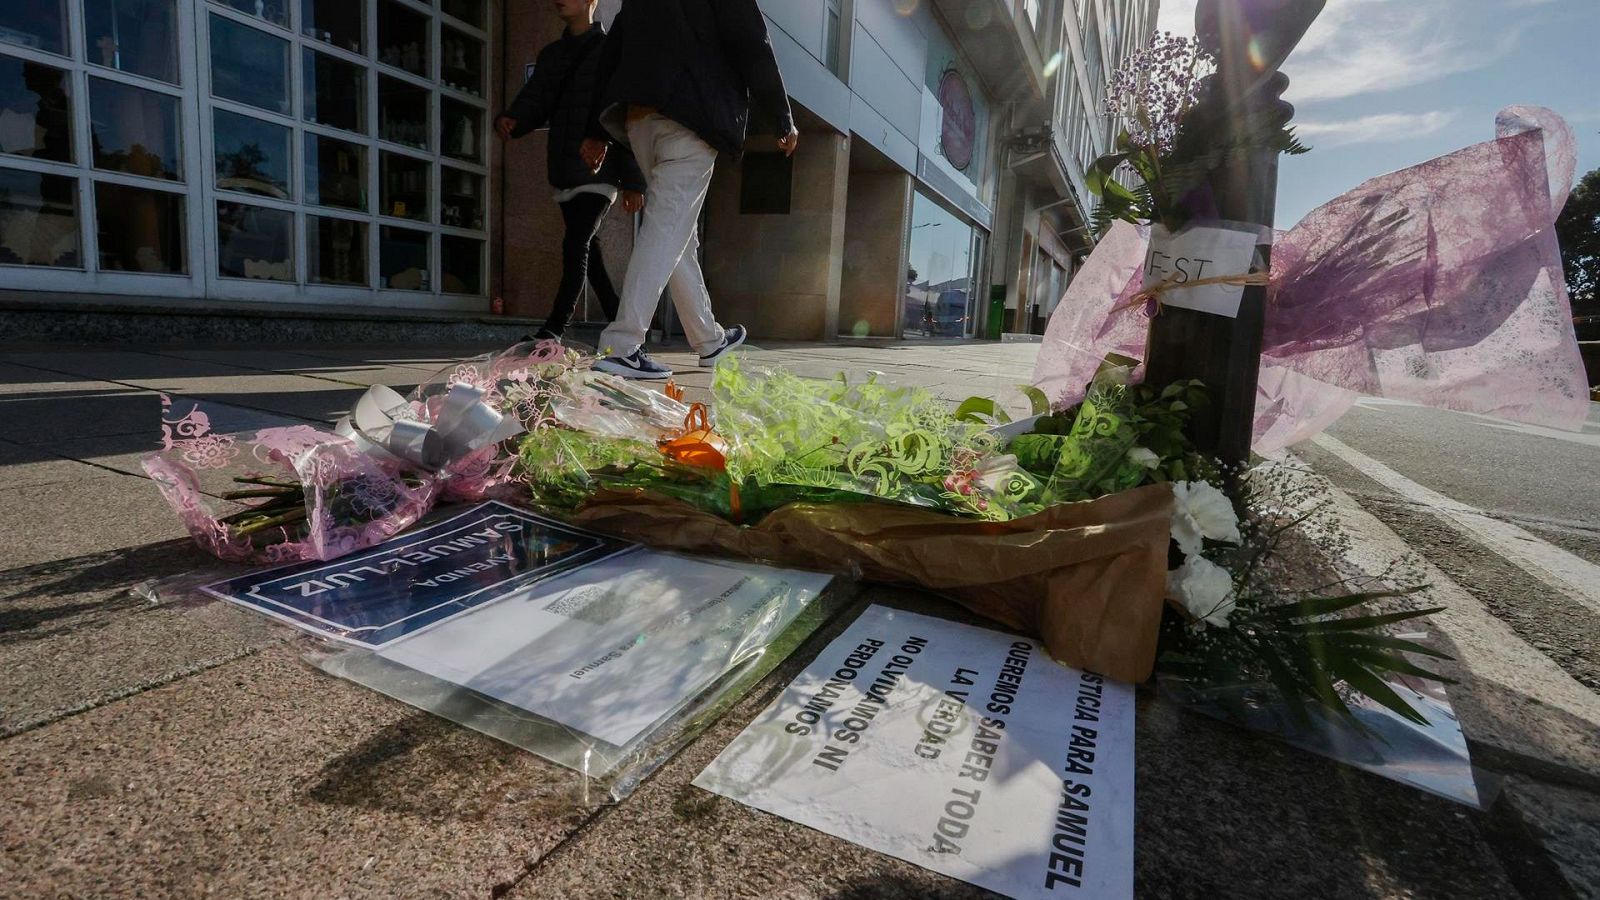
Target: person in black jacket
675, 84
561, 94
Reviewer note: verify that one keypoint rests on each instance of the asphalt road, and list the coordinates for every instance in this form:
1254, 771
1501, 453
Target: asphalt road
1509, 512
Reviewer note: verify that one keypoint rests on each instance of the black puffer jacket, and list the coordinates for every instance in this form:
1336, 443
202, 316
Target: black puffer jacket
561, 97
697, 62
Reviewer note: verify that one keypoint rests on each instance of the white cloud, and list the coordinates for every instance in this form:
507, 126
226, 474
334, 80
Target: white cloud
1177, 16
1372, 46
1373, 129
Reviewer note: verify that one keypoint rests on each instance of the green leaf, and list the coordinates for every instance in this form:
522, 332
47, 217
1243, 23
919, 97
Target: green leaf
1038, 403
1323, 606
1362, 679
1362, 623
1384, 642
981, 410
1393, 662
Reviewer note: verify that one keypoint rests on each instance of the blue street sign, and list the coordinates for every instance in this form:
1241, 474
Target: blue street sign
419, 578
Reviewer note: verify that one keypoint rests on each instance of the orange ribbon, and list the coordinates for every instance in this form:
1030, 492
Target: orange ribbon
698, 445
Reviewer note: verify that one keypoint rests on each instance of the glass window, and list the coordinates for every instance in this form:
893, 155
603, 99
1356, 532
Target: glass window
40, 24
463, 130
461, 261
461, 61
249, 65
460, 199
403, 182
403, 259
341, 23
468, 11
831, 40
335, 93
939, 283
336, 251
274, 11
138, 36
38, 220
402, 38
140, 230
253, 242
134, 130
403, 112
336, 173
252, 156
35, 110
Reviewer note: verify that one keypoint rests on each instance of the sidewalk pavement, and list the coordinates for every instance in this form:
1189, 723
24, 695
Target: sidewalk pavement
185, 749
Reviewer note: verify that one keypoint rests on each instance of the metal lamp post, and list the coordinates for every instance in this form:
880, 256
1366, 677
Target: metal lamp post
1250, 40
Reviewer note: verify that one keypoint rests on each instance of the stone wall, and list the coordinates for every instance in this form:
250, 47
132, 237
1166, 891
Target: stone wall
874, 278
778, 274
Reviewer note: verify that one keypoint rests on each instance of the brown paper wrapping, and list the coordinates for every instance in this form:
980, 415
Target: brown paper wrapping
1086, 578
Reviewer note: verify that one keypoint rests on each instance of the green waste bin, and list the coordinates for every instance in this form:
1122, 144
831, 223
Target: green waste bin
997, 312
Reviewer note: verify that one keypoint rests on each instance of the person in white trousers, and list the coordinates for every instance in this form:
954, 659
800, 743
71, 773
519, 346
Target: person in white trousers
679, 76
677, 166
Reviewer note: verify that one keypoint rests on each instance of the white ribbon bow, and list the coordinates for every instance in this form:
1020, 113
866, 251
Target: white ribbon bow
384, 426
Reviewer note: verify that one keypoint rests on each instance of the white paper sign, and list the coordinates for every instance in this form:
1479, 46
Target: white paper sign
613, 648
1197, 253
960, 749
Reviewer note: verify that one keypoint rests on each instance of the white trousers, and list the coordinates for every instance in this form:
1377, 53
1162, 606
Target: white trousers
677, 168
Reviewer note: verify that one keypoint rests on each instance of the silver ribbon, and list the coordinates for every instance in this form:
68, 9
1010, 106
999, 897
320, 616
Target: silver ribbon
383, 426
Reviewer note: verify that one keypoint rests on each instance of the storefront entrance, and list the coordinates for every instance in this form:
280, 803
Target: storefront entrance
942, 274
312, 151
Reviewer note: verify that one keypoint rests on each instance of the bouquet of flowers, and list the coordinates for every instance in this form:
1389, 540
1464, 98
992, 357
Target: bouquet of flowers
302, 492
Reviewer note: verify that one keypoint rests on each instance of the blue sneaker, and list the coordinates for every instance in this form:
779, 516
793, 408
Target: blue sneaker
637, 364
731, 339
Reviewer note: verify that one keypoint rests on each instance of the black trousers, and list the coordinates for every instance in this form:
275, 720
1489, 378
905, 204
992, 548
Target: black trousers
581, 260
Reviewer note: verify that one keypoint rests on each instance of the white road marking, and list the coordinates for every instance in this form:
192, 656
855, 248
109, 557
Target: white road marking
1589, 437
1561, 571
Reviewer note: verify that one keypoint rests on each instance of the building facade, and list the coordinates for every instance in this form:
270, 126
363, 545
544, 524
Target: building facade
338, 152
271, 151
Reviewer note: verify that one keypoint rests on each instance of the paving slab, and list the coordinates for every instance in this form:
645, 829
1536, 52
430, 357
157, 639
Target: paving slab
1220, 812
125, 366
90, 410
1565, 823
19, 379
47, 522
74, 636
278, 396
356, 372
24, 466
265, 778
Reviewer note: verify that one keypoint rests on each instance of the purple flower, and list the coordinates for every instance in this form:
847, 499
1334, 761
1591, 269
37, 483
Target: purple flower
1156, 87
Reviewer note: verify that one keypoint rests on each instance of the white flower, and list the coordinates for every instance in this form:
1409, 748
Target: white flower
1144, 456
993, 473
1205, 589
1202, 512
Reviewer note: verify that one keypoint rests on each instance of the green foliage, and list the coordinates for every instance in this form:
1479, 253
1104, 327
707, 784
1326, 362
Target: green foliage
1578, 230
894, 443
1313, 647
1167, 179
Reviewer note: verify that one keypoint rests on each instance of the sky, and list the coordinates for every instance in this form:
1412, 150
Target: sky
1379, 85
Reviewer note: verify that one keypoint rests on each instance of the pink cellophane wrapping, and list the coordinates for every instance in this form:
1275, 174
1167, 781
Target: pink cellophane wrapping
1440, 284
353, 499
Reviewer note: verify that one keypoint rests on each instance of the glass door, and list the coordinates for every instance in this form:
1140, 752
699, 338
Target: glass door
347, 142
98, 148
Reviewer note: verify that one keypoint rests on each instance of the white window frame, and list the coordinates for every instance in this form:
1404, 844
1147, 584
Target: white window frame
196, 108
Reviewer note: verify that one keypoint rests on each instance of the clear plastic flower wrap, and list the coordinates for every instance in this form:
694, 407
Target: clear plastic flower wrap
883, 441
